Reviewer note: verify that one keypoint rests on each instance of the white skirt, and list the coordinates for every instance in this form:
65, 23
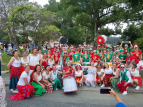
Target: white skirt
69, 84
91, 78
2, 93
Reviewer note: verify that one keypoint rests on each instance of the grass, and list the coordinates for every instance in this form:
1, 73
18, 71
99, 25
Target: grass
7, 73
5, 58
141, 74
4, 68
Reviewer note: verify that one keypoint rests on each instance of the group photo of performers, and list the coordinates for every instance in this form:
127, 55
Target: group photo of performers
61, 67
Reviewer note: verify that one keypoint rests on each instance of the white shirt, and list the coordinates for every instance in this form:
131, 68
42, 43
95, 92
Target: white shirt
34, 60
24, 75
101, 71
23, 62
109, 71
39, 77
54, 76
45, 75
78, 74
16, 63
135, 73
128, 75
51, 63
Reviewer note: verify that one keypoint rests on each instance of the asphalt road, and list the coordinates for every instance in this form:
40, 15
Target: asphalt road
77, 99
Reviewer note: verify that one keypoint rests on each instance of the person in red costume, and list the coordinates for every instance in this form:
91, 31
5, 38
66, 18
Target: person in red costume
137, 53
130, 58
44, 60
49, 54
90, 52
95, 57
56, 57
71, 53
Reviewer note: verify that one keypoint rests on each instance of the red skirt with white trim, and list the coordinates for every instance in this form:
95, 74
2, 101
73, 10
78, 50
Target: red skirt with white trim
139, 80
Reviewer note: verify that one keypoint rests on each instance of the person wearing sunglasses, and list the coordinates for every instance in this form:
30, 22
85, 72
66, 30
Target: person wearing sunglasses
125, 80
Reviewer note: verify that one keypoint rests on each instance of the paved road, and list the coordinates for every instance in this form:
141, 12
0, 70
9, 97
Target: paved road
78, 99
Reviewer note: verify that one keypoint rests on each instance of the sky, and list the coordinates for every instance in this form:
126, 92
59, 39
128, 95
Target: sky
111, 26
41, 2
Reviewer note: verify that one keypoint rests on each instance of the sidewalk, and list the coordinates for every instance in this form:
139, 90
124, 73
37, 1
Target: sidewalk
82, 88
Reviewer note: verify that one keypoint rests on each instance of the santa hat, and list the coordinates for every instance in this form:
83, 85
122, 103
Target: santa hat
135, 45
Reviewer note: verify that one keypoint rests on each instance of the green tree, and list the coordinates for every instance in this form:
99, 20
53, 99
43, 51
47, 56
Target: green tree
32, 22
94, 14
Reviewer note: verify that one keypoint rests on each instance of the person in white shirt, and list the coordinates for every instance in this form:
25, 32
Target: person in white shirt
125, 80
108, 72
46, 78
37, 79
25, 90
99, 74
54, 78
136, 78
14, 68
34, 58
79, 74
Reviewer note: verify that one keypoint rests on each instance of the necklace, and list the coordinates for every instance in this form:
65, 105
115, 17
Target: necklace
54, 72
133, 69
38, 73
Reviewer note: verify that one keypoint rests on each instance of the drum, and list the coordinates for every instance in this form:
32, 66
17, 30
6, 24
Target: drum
69, 83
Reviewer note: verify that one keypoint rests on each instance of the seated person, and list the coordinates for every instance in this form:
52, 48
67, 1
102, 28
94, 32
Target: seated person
45, 79
54, 80
25, 90
79, 74
9, 52
36, 83
136, 78
125, 80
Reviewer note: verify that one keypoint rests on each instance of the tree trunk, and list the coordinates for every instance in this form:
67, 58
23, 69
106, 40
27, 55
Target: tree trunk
16, 44
95, 34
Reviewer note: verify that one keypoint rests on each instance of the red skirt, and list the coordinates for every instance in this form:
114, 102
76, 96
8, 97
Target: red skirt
106, 79
23, 92
22, 69
97, 78
78, 79
123, 88
139, 80
49, 87
15, 71
32, 67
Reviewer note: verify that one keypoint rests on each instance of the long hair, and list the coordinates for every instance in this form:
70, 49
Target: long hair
36, 68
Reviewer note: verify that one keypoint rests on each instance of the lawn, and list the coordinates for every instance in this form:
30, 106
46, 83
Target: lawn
4, 68
5, 58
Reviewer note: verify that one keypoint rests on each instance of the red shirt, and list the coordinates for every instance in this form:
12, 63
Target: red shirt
52, 51
129, 60
68, 69
71, 53
95, 58
91, 54
137, 55
48, 55
56, 58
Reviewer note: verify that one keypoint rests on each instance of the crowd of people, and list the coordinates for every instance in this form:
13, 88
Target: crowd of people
50, 68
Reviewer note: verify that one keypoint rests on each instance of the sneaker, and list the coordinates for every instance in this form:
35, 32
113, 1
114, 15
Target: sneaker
56, 88
102, 85
15, 91
124, 93
137, 88
11, 90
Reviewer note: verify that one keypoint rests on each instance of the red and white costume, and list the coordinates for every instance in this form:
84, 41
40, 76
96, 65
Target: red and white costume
23, 63
135, 75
